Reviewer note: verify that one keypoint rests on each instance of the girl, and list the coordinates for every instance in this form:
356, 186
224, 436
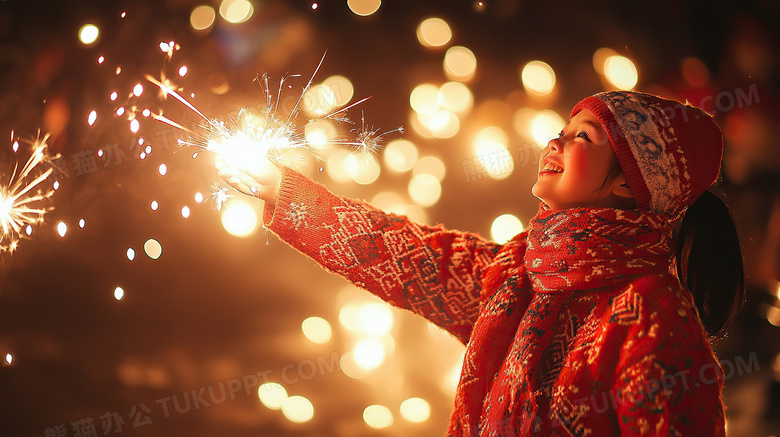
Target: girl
594, 321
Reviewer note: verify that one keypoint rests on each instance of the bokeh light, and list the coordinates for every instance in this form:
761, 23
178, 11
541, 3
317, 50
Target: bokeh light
538, 78
431, 165
130, 253
460, 63
369, 353
9, 358
364, 7
600, 57
505, 227
319, 134
434, 32
400, 155
88, 34
341, 88
62, 229
695, 71
455, 96
545, 126
185, 211
415, 410
362, 168
375, 319
153, 248
490, 147
316, 329
621, 72
119, 293
350, 367
272, 395
202, 17
378, 416
424, 189
236, 11
239, 217
424, 98
297, 409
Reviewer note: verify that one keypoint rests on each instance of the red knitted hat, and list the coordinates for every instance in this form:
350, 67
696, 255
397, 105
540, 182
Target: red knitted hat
669, 152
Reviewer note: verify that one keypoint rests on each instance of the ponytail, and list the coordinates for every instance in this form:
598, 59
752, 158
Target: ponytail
709, 263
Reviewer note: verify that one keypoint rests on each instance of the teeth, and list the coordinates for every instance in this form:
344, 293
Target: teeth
552, 167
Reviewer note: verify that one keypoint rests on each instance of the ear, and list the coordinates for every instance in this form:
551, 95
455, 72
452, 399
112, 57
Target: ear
620, 187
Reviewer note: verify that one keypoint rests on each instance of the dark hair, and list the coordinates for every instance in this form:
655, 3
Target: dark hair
709, 263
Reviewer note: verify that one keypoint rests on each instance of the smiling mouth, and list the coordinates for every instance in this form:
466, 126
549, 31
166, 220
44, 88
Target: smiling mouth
550, 167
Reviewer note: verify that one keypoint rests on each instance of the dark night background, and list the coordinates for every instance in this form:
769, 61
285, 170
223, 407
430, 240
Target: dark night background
215, 308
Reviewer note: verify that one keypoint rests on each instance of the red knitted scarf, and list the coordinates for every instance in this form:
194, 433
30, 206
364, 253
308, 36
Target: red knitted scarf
574, 250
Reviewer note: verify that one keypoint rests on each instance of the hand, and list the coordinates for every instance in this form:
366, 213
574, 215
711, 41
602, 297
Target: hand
261, 181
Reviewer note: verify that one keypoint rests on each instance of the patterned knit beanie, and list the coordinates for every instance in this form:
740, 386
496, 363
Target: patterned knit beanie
669, 152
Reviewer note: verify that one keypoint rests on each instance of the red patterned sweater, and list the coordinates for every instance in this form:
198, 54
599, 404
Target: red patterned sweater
573, 328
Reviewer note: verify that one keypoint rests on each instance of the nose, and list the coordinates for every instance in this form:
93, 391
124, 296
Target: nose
555, 145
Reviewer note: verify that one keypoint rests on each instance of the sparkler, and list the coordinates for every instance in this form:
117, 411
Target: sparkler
19, 205
252, 137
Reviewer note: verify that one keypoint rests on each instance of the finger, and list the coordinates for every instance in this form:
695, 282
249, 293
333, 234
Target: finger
238, 185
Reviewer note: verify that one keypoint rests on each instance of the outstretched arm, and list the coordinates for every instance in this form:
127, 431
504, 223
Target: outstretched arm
429, 270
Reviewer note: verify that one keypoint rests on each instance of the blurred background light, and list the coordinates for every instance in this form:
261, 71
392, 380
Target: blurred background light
505, 227
119, 293
460, 63
430, 165
400, 155
434, 32
272, 395
362, 168
153, 248
364, 7
455, 96
369, 353
415, 410
316, 329
621, 72
378, 416
239, 217
545, 126
600, 57
424, 98
538, 78
490, 148
202, 17
88, 34
236, 11
695, 71
424, 189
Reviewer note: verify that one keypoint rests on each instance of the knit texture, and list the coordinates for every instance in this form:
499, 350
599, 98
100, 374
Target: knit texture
669, 152
573, 328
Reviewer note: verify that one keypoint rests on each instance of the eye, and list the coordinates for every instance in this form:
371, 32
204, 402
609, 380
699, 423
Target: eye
584, 135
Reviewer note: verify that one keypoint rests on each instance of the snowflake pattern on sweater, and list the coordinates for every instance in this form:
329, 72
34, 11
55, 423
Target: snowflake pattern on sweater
573, 328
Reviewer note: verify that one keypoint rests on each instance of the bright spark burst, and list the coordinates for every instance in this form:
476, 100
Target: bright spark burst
219, 194
18, 202
251, 137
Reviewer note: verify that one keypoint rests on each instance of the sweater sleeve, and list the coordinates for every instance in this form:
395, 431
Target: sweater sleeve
434, 272
668, 380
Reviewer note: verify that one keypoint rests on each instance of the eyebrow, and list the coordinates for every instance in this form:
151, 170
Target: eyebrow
593, 124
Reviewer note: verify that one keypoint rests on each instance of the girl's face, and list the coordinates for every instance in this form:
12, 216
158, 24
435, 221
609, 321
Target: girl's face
574, 166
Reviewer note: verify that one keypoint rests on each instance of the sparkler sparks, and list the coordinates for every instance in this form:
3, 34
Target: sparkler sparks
253, 136
19, 204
